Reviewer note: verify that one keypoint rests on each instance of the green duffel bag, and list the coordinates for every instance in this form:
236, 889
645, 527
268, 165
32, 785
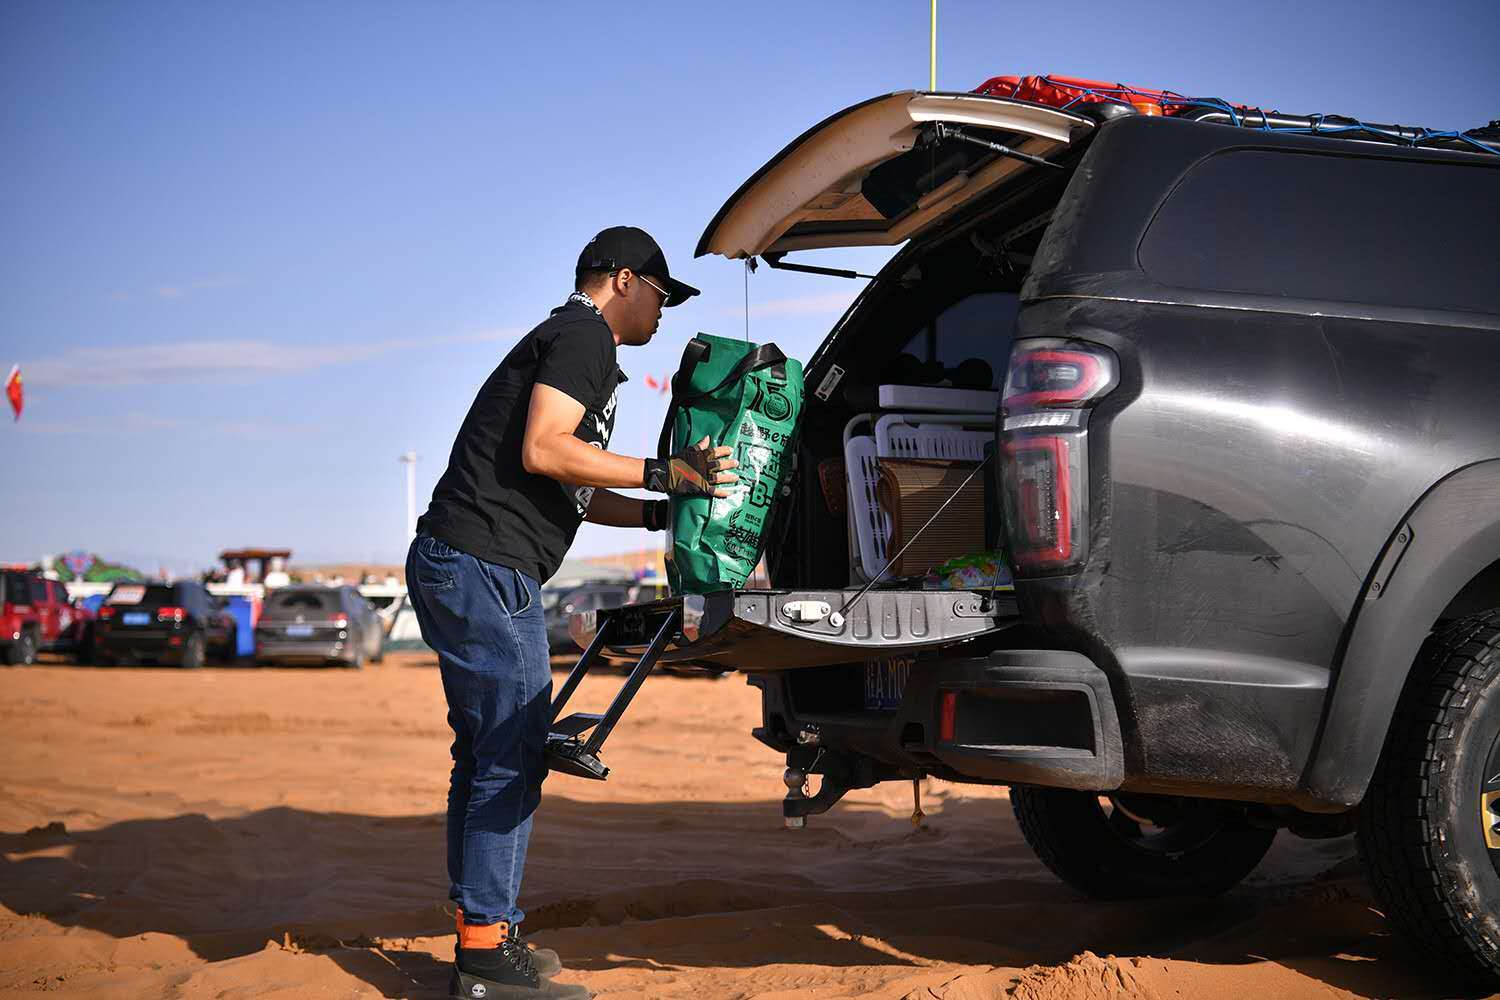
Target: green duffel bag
747, 397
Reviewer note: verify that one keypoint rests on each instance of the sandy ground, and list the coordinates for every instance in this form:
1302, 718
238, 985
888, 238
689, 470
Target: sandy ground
277, 833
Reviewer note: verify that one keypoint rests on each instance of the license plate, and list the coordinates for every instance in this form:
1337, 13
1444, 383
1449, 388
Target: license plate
885, 681
136, 618
299, 631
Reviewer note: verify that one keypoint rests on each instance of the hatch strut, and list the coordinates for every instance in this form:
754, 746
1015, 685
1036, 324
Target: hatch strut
941, 132
566, 752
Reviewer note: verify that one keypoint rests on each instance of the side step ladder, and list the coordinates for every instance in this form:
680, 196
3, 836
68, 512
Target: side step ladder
567, 752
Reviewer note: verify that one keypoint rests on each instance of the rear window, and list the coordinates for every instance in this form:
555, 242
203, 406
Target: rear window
1350, 229
966, 345
305, 600
15, 588
155, 595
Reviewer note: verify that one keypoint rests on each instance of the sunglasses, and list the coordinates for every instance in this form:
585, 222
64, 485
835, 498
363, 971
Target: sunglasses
659, 290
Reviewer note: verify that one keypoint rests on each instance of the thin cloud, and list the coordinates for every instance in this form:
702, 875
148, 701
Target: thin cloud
191, 361
181, 290
145, 423
130, 423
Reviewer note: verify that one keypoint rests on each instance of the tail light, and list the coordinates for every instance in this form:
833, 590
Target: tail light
339, 621
171, 614
1049, 389
106, 613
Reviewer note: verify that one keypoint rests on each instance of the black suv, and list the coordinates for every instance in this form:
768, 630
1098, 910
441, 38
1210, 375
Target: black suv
1241, 436
179, 623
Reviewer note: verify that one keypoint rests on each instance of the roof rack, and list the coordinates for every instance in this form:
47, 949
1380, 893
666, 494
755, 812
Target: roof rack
1066, 92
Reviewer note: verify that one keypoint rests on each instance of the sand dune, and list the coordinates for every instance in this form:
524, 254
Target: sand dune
276, 833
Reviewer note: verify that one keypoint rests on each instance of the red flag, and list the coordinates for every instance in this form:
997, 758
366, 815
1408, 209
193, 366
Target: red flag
13, 390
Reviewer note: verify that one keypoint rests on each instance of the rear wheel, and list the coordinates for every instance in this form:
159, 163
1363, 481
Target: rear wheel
230, 653
86, 651
194, 651
22, 652
1126, 846
1429, 827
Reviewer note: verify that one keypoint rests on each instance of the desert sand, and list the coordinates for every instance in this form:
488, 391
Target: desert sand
235, 832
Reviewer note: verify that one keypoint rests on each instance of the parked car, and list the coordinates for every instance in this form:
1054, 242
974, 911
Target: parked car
558, 607
1246, 461
179, 623
332, 625
37, 616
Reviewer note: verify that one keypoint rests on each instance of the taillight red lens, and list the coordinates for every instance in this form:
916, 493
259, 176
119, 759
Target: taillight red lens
106, 612
339, 621
171, 614
1039, 477
1049, 389
1054, 377
949, 719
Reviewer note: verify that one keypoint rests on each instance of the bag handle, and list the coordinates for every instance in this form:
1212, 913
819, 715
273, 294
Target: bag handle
764, 356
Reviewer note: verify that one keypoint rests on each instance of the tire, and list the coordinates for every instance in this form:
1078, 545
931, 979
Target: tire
1192, 848
87, 651
230, 654
194, 651
22, 652
1425, 855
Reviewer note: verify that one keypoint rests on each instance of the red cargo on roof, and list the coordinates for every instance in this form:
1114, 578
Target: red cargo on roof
1063, 91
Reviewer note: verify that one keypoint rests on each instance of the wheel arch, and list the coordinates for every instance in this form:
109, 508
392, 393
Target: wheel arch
1443, 558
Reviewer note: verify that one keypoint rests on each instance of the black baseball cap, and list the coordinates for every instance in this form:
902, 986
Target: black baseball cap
627, 246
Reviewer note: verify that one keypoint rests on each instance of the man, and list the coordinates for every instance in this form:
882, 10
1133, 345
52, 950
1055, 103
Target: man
529, 464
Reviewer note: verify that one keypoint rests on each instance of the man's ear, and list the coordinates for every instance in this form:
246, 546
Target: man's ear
623, 278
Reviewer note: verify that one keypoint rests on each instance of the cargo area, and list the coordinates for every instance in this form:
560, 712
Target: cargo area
891, 540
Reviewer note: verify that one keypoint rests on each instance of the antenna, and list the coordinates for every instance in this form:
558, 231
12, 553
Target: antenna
409, 459
932, 51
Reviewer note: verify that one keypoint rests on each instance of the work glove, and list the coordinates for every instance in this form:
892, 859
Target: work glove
695, 471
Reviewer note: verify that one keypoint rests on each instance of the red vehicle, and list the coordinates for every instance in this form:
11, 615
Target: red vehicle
36, 616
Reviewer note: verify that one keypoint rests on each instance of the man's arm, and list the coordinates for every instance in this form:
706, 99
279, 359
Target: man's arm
550, 448
616, 510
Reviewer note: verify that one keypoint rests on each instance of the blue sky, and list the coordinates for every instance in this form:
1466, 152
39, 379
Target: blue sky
250, 253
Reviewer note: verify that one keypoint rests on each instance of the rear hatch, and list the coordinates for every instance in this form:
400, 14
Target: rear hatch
302, 615
142, 610
888, 170
895, 168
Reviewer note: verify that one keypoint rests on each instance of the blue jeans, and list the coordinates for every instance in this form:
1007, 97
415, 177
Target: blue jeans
485, 622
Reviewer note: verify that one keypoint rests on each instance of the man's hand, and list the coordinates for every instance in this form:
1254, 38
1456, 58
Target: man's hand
699, 470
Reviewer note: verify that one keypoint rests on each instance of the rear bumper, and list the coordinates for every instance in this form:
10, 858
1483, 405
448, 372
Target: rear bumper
153, 643
311, 651
1041, 717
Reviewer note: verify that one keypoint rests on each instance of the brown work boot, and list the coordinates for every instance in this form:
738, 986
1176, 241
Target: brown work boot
547, 963
504, 973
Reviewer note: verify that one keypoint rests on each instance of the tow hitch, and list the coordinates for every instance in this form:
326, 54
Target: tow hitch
841, 774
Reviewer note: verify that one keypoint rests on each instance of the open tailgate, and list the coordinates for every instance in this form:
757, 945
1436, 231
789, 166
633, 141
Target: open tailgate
872, 176
767, 630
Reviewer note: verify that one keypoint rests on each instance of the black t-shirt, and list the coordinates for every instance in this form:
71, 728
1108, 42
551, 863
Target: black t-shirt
486, 503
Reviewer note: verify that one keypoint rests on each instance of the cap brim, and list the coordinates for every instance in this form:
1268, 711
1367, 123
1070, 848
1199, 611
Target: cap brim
678, 292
